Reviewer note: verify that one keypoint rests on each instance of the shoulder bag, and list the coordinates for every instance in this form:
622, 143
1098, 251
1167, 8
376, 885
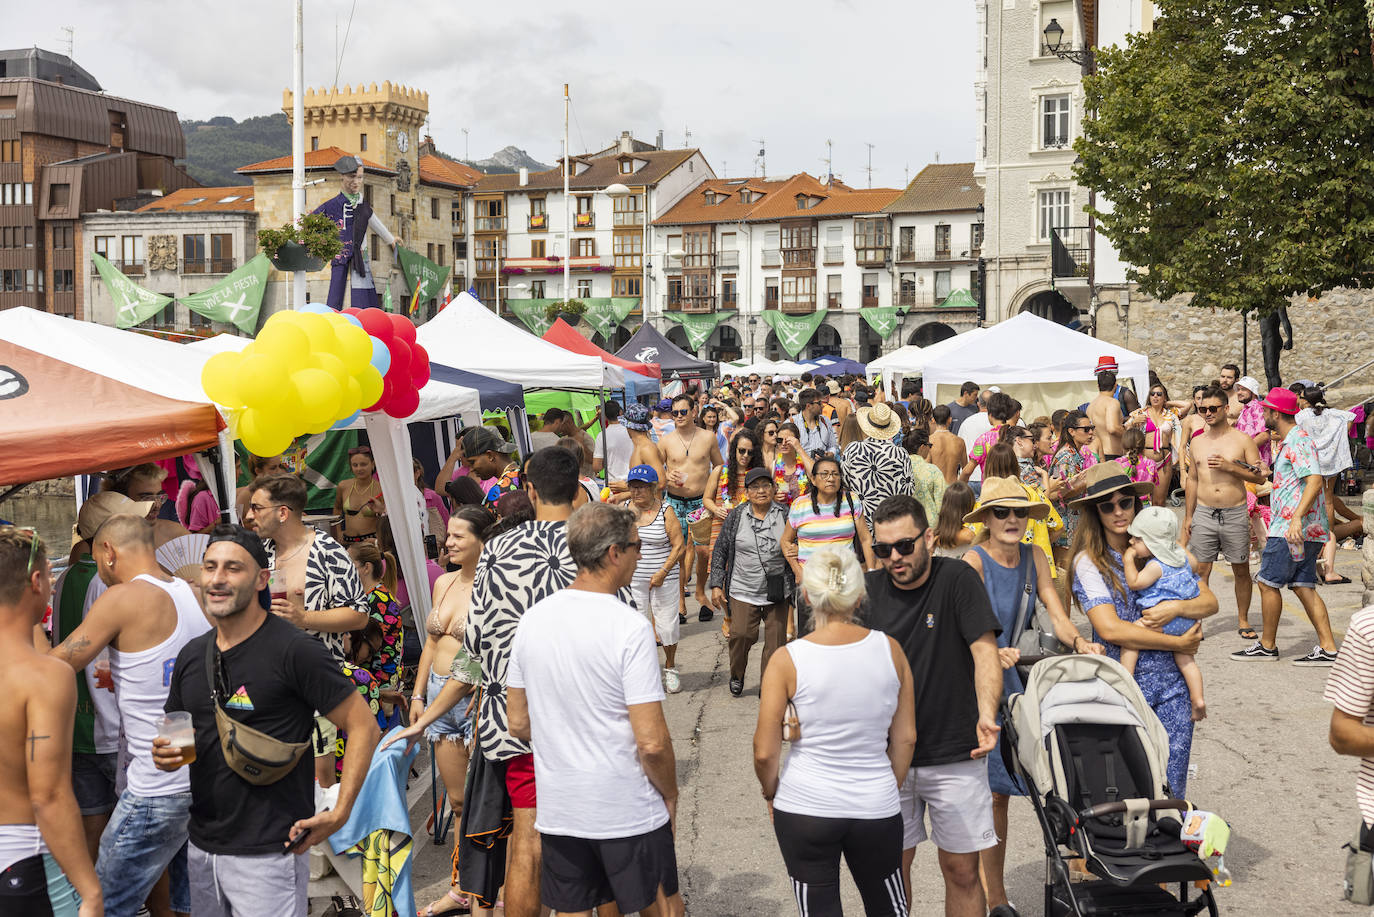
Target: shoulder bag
255, 756
1033, 634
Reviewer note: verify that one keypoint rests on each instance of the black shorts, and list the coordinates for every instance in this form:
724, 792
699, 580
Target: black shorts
579, 874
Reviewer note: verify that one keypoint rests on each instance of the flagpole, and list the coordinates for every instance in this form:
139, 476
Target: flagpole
567, 206
298, 143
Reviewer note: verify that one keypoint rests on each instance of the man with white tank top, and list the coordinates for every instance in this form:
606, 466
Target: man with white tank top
144, 618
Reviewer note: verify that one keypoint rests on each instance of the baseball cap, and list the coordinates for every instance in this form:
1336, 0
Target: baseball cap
102, 506
636, 417
833, 387
1158, 528
1249, 382
484, 439
1282, 400
665, 404
757, 474
643, 473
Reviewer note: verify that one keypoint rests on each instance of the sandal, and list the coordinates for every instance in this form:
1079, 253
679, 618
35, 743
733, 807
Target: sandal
462, 905
1247, 633
1343, 581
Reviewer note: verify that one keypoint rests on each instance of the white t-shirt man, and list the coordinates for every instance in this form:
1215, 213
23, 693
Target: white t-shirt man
615, 446
583, 658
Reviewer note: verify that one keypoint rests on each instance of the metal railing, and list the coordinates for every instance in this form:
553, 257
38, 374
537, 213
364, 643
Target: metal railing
798, 305
771, 257
727, 257
538, 221
629, 218
585, 220
1069, 251
799, 257
834, 254
207, 265
923, 254
834, 300
490, 224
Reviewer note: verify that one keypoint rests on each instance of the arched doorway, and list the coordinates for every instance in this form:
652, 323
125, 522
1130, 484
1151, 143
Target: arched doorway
870, 345
772, 350
1051, 304
826, 342
724, 345
620, 336
679, 337
930, 333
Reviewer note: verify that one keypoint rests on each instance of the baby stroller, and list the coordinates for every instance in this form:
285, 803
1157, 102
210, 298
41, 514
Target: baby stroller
1092, 755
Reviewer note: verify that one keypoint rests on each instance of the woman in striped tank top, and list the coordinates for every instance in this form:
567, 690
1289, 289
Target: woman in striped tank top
828, 517
656, 585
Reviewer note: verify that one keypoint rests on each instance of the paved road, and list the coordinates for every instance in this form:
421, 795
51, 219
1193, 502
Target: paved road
1262, 762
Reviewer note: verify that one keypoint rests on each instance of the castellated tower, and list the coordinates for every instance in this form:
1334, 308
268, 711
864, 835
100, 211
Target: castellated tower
381, 123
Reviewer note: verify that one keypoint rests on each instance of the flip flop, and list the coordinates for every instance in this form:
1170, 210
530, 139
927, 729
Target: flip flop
1343, 581
1247, 633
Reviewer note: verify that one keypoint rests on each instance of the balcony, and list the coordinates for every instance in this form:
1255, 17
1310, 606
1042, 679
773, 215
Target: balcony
584, 220
834, 254
207, 265
916, 299
1056, 142
870, 255
798, 307
538, 221
553, 265
698, 260
799, 257
486, 266
490, 224
728, 258
834, 301
132, 268
771, 257
932, 255
867, 302
730, 303
629, 218
698, 304
1069, 252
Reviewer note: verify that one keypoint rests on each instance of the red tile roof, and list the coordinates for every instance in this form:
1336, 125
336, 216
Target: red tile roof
441, 171
203, 200
314, 160
779, 201
940, 188
601, 172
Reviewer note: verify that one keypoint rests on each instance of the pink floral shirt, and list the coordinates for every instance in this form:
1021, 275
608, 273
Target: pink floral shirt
1296, 460
1250, 422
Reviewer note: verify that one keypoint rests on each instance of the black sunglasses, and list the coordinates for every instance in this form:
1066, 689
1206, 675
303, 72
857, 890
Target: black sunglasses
902, 546
1209, 408
1088, 429
1002, 512
677, 413
1119, 505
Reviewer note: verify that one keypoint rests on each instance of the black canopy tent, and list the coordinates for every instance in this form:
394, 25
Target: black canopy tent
647, 345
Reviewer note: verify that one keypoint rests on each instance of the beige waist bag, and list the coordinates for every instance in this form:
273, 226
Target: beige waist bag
253, 755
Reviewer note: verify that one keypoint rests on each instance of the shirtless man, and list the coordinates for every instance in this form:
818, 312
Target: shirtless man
1230, 375
1216, 519
1108, 413
39, 819
839, 403
688, 454
947, 449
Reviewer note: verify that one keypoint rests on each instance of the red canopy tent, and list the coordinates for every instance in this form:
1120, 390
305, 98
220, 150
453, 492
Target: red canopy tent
60, 419
567, 337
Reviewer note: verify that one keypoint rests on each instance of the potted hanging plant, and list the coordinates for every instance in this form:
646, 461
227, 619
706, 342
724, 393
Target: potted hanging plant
306, 244
570, 310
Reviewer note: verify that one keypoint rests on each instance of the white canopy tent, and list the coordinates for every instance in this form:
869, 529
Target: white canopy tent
910, 360
768, 368
1042, 364
470, 336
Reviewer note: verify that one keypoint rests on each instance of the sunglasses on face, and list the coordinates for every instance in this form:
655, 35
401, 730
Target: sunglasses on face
1209, 408
1087, 429
681, 413
1002, 512
1156, 394
903, 547
1119, 505
744, 451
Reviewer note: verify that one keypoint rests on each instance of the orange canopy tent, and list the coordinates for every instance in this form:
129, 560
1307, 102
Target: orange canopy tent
568, 337
57, 419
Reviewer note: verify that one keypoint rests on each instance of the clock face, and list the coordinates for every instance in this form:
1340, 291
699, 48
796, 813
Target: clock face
402, 141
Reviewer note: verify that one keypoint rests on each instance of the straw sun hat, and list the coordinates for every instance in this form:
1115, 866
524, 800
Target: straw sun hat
879, 422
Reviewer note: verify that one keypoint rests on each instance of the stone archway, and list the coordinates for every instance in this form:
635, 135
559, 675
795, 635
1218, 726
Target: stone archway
1051, 304
772, 350
724, 345
825, 342
930, 333
870, 344
679, 337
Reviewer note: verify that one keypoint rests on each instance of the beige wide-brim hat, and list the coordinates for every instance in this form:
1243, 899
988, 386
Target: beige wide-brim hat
879, 422
1008, 492
1107, 478
102, 506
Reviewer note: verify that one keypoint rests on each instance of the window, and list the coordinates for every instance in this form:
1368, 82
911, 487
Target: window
584, 248
1062, 11
12, 193
906, 243
798, 237
314, 143
61, 237
584, 204
941, 286
584, 289
439, 254
626, 166
105, 247
870, 233
1052, 213
59, 194
434, 208
193, 254
538, 206
491, 215
63, 281
975, 239
627, 249
28, 237
625, 286
799, 291
456, 214
460, 249
537, 289
221, 252
486, 291
833, 288
728, 293
942, 241
1054, 122
537, 248
131, 254
429, 250
629, 210
362, 143
697, 245
674, 292
12, 281
870, 290
393, 205
770, 293
9, 151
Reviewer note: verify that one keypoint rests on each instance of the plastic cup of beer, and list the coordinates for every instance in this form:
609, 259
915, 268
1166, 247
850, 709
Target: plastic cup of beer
276, 584
176, 728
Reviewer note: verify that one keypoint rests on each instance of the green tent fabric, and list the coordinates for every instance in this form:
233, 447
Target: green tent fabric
794, 331
134, 303
235, 299
321, 459
882, 319
697, 325
959, 299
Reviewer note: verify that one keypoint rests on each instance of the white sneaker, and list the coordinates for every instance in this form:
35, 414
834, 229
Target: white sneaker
672, 682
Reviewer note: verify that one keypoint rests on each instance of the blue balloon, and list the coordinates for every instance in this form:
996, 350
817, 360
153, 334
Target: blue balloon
353, 319
381, 356
346, 422
318, 308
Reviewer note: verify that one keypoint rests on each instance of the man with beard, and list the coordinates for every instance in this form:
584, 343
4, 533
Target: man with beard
1227, 379
938, 610
1215, 519
1250, 420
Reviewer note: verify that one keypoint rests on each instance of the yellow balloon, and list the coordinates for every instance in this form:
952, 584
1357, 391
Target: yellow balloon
330, 364
285, 343
262, 381
320, 396
352, 398
355, 347
370, 383
321, 334
259, 436
284, 317
219, 378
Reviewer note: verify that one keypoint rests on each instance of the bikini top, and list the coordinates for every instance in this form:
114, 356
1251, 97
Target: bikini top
457, 624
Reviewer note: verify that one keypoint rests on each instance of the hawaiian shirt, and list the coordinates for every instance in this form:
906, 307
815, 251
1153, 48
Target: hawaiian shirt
1251, 422
382, 608
508, 481
929, 487
1296, 460
1141, 471
331, 581
981, 445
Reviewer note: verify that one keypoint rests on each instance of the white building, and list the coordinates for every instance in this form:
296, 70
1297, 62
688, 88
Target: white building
1040, 250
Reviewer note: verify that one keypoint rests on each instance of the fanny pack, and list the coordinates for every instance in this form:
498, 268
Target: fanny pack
1359, 870
253, 755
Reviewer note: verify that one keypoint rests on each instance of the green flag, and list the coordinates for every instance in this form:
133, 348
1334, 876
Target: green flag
386, 299
235, 299
959, 299
604, 313
697, 325
416, 268
882, 319
793, 331
531, 312
133, 303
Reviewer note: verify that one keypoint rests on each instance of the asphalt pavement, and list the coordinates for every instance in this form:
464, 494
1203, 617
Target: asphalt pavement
1261, 759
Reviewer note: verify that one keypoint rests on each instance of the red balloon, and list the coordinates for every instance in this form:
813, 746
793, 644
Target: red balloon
353, 311
419, 366
401, 358
402, 327
403, 404
377, 323
387, 391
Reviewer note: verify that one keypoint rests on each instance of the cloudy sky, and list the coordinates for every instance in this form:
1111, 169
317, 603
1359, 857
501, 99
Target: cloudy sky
794, 74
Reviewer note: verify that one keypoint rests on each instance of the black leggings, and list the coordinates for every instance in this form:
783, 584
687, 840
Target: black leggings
872, 848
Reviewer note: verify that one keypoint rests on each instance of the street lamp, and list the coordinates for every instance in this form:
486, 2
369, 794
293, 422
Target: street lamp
753, 354
1054, 40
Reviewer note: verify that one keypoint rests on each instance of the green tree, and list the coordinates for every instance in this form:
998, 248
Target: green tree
1235, 142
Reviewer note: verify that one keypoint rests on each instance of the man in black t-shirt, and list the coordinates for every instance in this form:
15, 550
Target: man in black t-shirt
272, 677
938, 610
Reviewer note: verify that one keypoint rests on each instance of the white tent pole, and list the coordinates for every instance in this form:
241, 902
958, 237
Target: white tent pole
391, 452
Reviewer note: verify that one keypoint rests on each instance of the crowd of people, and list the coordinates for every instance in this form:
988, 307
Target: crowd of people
896, 556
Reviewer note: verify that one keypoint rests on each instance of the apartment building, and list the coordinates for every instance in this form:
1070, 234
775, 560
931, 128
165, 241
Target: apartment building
522, 230
1041, 252
67, 149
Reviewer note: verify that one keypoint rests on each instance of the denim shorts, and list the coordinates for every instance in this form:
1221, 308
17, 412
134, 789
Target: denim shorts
93, 781
1279, 569
453, 725
146, 835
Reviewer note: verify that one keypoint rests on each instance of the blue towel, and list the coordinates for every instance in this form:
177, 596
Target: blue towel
381, 806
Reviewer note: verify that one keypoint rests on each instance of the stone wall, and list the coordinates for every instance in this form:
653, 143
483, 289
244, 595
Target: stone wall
1331, 336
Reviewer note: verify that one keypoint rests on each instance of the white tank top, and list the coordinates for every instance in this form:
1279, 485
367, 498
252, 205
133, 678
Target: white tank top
142, 681
846, 696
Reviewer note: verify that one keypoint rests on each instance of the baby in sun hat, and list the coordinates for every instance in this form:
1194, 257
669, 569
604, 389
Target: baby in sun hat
1159, 569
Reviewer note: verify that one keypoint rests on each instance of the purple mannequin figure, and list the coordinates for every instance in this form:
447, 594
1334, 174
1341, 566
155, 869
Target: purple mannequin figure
354, 216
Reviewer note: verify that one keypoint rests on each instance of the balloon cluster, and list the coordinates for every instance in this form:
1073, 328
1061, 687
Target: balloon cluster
315, 369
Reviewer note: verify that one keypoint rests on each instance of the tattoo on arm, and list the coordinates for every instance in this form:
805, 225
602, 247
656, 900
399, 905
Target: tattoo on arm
73, 646
34, 737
